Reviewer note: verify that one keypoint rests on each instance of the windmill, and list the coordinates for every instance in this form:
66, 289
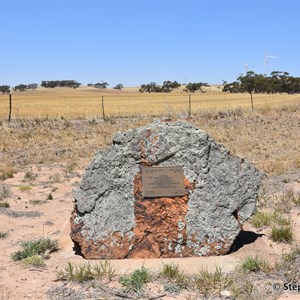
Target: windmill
246, 67
267, 62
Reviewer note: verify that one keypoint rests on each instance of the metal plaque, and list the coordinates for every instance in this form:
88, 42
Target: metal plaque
162, 182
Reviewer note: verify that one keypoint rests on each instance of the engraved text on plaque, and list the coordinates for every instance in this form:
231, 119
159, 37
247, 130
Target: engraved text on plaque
162, 181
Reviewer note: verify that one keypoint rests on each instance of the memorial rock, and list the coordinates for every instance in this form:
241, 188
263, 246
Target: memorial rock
199, 212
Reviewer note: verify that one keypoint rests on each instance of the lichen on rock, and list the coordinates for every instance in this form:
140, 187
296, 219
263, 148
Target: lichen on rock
112, 219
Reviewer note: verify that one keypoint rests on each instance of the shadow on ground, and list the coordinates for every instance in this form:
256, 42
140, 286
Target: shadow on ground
244, 238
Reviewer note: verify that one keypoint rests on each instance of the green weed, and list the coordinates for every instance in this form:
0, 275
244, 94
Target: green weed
3, 234
4, 204
87, 272
280, 220
254, 264
24, 188
207, 281
261, 219
136, 280
36, 247
170, 271
282, 234
292, 256
34, 260
29, 175
77, 273
178, 278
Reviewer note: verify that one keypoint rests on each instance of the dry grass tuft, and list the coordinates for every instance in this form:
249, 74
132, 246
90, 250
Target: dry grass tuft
211, 282
4, 191
282, 234
7, 171
86, 272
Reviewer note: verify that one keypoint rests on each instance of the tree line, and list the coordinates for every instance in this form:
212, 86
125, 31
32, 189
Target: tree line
168, 86
277, 82
99, 85
60, 83
20, 87
5, 89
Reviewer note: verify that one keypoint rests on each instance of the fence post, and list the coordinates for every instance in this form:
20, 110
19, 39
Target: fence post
190, 106
10, 108
103, 113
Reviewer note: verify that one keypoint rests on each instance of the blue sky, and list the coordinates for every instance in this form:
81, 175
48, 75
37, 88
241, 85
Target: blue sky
136, 42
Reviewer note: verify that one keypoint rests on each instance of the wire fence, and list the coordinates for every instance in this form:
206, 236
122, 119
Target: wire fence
106, 106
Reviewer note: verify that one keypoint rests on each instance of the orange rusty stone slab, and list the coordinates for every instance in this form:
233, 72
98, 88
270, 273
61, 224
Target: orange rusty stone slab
157, 223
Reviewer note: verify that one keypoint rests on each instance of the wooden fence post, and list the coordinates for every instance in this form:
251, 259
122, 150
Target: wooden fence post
190, 106
10, 108
103, 113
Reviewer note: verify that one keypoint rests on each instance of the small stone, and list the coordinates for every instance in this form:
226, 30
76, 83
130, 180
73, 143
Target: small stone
225, 294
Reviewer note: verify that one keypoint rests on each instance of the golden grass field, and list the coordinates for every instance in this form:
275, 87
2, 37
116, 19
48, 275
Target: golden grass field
86, 102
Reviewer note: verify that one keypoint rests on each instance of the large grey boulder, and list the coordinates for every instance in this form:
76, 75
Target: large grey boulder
112, 219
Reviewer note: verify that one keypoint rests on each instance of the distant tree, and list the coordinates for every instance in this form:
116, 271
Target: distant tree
193, 87
293, 85
142, 89
168, 86
101, 85
284, 83
20, 87
248, 83
277, 82
232, 87
151, 87
74, 84
50, 83
90, 85
4, 89
32, 86
61, 83
119, 86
